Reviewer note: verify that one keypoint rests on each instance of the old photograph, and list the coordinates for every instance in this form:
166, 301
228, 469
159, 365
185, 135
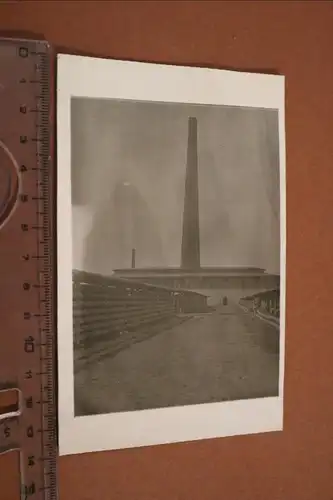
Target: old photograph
176, 261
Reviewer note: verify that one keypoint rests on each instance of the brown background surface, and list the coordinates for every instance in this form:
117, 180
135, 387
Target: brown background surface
294, 39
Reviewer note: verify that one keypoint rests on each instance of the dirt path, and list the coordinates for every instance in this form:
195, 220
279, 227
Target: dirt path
224, 355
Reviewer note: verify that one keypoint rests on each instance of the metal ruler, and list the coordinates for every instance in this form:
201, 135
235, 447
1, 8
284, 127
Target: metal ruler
27, 283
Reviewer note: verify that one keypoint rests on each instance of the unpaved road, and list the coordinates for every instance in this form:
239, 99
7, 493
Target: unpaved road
223, 355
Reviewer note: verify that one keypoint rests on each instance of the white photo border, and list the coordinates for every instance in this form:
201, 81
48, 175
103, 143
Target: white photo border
100, 78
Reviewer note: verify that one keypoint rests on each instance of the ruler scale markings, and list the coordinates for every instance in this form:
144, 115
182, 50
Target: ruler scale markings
25, 76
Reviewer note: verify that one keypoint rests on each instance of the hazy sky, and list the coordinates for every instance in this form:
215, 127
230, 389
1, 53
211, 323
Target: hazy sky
128, 173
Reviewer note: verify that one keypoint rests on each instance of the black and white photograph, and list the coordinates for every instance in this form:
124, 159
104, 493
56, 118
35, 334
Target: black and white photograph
176, 258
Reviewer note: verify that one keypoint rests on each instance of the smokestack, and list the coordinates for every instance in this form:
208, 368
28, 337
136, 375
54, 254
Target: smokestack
133, 258
190, 252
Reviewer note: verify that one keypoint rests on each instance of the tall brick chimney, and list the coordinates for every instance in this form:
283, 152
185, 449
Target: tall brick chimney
133, 258
190, 251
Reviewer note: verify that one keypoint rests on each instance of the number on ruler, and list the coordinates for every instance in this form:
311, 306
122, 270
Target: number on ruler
29, 402
29, 490
30, 431
23, 52
29, 344
6, 431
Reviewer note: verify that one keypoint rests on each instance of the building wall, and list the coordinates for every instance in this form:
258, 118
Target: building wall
233, 294
215, 288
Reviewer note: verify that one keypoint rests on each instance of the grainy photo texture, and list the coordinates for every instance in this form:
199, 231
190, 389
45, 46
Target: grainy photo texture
176, 254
